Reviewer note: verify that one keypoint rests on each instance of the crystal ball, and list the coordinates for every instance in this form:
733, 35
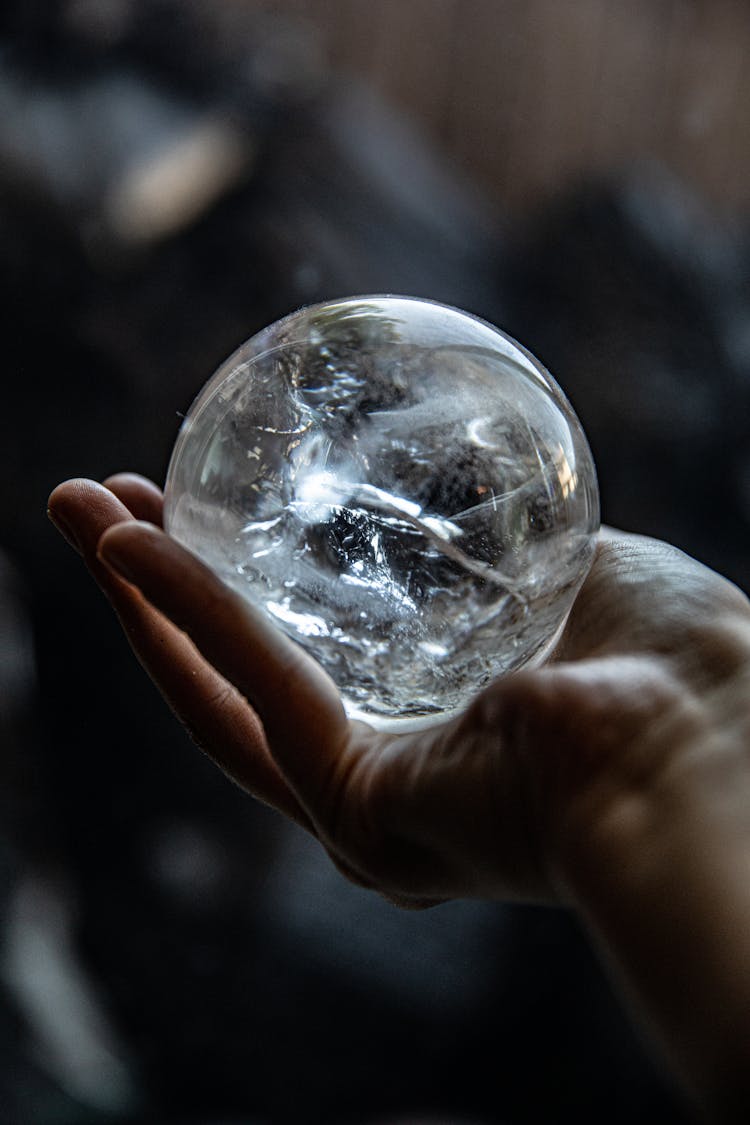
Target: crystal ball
402, 488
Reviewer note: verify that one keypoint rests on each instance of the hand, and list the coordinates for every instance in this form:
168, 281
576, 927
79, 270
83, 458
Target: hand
490, 804
616, 778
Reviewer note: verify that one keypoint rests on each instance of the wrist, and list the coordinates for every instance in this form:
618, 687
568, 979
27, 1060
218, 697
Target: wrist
659, 875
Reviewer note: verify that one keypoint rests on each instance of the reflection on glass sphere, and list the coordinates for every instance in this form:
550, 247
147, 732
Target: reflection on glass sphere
403, 489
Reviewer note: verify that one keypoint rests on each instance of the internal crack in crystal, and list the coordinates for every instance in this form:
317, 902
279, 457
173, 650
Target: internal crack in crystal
404, 490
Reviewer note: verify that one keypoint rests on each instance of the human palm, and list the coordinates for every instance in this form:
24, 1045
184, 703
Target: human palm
503, 801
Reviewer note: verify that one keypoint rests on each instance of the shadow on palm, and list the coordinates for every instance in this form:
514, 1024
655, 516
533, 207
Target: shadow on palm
481, 806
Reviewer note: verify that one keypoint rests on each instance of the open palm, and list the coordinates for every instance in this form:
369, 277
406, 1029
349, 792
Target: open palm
489, 804
615, 779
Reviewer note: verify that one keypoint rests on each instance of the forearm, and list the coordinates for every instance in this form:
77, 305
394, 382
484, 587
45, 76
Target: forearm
663, 884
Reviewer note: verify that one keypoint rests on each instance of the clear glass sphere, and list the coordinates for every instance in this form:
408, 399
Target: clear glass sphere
402, 488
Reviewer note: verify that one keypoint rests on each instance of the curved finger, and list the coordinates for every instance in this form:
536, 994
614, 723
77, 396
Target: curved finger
82, 510
644, 596
139, 495
216, 716
302, 715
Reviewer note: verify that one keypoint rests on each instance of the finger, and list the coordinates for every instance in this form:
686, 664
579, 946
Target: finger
302, 715
217, 717
643, 596
139, 495
82, 510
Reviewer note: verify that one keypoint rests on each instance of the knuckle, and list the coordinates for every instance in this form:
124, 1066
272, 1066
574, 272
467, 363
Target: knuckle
358, 808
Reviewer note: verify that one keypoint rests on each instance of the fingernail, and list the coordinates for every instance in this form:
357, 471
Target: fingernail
65, 530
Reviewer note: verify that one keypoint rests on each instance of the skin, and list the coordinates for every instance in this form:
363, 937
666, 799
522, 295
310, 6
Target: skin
615, 780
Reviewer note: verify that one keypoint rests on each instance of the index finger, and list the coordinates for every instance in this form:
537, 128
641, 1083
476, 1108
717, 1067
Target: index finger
217, 718
304, 721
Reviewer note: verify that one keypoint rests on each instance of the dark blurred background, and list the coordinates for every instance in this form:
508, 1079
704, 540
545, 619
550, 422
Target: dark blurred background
174, 176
